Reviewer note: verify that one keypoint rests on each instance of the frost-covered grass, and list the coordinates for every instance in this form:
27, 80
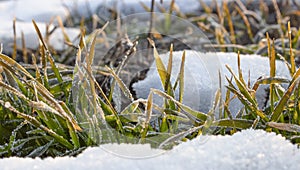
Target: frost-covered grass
39, 116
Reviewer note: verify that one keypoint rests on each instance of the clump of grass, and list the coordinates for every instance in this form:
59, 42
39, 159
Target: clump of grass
35, 121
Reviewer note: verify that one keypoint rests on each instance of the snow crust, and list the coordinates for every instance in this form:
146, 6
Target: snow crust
249, 149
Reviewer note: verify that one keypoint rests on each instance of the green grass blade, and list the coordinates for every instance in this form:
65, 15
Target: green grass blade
234, 123
272, 80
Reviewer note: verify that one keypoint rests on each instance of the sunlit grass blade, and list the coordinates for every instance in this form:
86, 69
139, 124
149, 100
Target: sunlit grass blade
272, 58
240, 70
169, 70
292, 58
38, 75
60, 23
40, 35
181, 78
163, 74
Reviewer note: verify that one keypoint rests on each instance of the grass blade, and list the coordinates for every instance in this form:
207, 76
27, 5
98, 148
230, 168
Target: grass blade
181, 78
121, 84
278, 111
243, 89
285, 126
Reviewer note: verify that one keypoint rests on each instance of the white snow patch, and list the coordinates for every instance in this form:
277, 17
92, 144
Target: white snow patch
249, 149
45, 11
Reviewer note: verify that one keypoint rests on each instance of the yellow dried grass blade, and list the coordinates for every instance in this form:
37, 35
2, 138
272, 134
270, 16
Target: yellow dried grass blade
24, 49
181, 78
292, 58
230, 23
90, 56
148, 113
14, 54
296, 75
61, 25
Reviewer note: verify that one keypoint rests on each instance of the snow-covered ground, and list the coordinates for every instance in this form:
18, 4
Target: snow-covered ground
249, 149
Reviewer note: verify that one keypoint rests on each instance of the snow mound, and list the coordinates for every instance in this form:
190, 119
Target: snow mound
201, 77
249, 149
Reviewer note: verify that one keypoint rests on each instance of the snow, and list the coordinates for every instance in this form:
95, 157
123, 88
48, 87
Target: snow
201, 77
249, 149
